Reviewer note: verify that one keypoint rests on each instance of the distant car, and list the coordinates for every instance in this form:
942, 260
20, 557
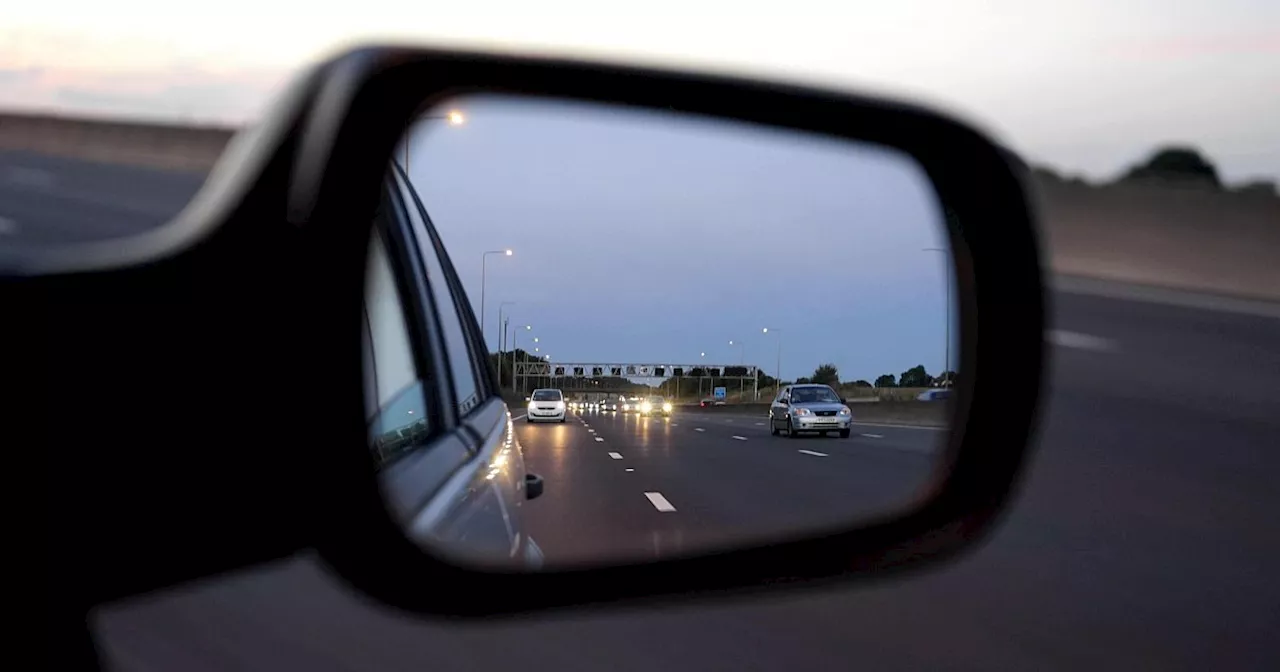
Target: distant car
706, 402
934, 395
546, 405
630, 405
609, 405
654, 406
809, 408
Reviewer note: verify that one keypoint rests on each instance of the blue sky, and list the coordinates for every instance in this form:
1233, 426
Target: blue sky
648, 237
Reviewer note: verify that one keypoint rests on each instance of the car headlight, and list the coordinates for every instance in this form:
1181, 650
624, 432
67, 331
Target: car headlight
646, 407
846, 411
801, 411
666, 407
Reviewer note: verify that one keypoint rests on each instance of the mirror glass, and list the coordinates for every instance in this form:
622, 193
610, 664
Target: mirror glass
665, 334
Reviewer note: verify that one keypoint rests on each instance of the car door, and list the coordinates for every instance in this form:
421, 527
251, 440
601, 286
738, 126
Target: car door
484, 510
778, 410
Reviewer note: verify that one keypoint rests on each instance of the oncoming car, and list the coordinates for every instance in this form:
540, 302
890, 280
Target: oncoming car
809, 408
630, 405
546, 404
655, 405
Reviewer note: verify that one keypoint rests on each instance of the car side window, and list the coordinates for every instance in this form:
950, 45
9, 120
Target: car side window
395, 399
469, 389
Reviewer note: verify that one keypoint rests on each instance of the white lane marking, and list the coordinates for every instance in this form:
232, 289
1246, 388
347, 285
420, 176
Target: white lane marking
874, 436
8, 227
759, 424
813, 453
599, 439
1079, 341
591, 431
728, 421
519, 417
616, 456
699, 429
891, 425
659, 502
740, 438
631, 470
675, 424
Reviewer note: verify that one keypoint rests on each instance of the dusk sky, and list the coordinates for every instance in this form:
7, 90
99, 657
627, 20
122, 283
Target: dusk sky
1087, 86
651, 238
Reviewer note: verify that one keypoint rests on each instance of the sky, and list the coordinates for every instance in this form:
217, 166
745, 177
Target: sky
1086, 86
645, 237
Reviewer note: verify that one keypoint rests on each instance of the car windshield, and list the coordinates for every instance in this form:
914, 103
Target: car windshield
546, 395
804, 395
656, 400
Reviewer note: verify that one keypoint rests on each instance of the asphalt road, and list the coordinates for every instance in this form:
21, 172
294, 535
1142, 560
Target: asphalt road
638, 487
1145, 535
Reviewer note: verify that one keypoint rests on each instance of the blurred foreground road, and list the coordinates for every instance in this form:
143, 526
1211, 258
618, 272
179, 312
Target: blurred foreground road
1145, 536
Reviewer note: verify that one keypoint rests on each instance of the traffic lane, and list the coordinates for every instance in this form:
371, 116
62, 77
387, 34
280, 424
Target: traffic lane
48, 200
592, 509
924, 440
729, 490
1193, 360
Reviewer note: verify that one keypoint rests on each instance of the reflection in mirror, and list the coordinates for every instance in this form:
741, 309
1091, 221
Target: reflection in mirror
708, 334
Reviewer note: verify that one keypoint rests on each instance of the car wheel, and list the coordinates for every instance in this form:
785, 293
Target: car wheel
773, 427
529, 420
844, 433
791, 429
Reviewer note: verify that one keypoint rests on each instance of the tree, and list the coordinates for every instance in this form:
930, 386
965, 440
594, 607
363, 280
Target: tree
826, 374
886, 380
945, 379
1176, 164
861, 383
915, 376
802, 381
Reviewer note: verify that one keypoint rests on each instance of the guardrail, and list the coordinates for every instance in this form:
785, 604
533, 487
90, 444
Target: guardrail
1184, 238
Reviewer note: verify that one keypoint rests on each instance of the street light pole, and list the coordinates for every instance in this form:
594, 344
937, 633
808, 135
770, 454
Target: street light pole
742, 359
777, 383
483, 273
946, 367
514, 370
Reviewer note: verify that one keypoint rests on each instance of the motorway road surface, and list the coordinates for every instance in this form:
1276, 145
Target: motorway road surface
723, 478
1145, 536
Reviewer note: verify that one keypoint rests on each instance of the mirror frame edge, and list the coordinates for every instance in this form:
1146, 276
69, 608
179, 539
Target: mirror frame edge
995, 247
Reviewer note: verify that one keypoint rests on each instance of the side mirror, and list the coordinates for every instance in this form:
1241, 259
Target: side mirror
784, 402
844, 401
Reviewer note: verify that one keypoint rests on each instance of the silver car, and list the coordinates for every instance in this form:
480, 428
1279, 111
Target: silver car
809, 408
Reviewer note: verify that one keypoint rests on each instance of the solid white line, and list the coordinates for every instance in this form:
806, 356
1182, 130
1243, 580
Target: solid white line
740, 438
519, 417
887, 424
813, 453
659, 502
1079, 341
874, 436
599, 439
699, 429
616, 456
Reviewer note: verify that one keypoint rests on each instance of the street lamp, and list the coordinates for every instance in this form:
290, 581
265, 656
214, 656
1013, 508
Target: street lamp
742, 359
778, 372
483, 272
502, 326
454, 117
516, 332
946, 367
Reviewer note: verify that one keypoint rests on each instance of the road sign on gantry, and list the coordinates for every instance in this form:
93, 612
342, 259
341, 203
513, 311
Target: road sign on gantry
719, 393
